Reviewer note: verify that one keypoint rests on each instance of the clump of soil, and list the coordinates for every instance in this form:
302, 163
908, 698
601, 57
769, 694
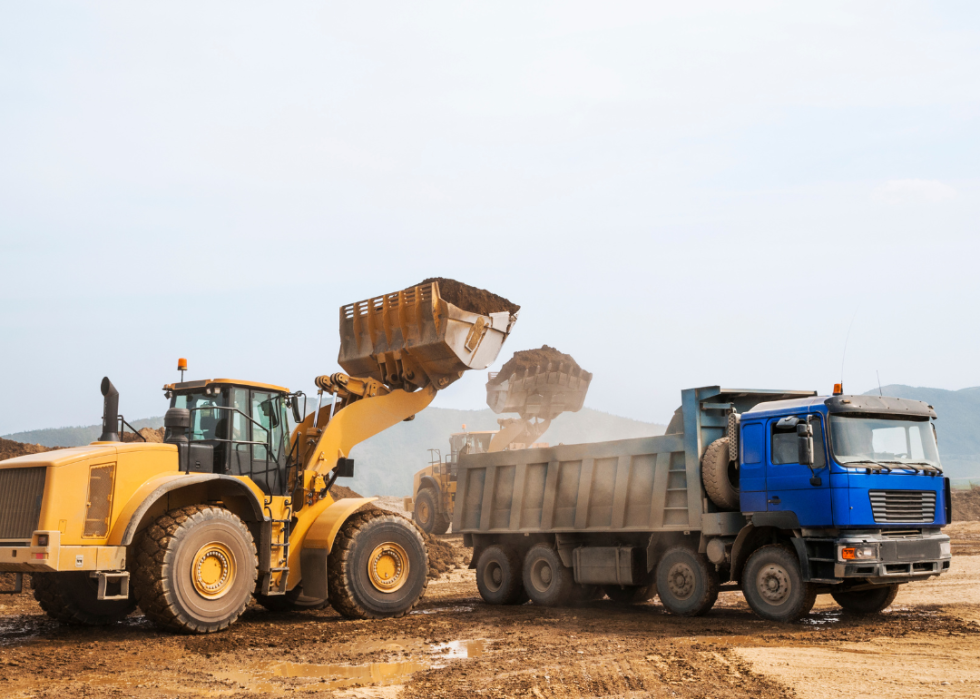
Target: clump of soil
966, 503
528, 359
10, 449
471, 299
442, 556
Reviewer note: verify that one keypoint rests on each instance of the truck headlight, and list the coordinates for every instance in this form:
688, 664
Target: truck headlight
864, 552
945, 549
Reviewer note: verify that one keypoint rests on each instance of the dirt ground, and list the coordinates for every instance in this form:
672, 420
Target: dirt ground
927, 644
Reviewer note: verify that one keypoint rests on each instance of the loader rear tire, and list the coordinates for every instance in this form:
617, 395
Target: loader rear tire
292, 601
378, 567
870, 601
427, 514
195, 569
72, 597
499, 577
547, 581
686, 582
773, 584
720, 476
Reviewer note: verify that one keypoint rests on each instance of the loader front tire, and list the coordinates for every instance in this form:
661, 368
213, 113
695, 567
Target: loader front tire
72, 597
378, 566
720, 476
195, 569
427, 514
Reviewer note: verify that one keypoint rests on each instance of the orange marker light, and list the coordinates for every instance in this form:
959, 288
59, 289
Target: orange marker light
848, 554
838, 389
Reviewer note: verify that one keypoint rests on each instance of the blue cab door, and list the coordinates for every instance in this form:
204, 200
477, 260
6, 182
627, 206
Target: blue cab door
788, 487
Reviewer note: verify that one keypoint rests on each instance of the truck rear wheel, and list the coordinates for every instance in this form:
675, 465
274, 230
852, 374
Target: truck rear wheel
293, 601
378, 566
72, 597
499, 577
773, 585
867, 601
195, 569
629, 594
547, 581
686, 582
720, 476
427, 514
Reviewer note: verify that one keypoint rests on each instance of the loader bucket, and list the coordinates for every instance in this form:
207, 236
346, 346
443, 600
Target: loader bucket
542, 392
411, 338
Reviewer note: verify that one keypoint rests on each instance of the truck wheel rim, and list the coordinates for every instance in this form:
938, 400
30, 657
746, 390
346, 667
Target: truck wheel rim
388, 567
493, 577
423, 511
213, 571
541, 575
774, 584
680, 581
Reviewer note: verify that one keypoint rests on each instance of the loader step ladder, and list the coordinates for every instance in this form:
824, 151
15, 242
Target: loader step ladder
283, 546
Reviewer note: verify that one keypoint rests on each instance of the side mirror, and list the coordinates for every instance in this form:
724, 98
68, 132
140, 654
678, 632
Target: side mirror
804, 434
298, 415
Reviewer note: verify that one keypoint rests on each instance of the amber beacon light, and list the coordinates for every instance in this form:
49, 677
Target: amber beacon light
181, 367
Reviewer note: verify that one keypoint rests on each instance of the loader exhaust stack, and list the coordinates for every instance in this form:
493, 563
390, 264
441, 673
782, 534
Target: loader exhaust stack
110, 412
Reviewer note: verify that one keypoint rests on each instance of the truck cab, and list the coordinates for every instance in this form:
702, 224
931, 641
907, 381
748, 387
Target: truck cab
857, 477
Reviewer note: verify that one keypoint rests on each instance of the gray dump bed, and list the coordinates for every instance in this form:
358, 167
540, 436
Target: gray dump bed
647, 484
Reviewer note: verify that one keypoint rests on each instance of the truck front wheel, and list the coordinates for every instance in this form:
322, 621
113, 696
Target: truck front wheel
499, 577
378, 566
773, 585
195, 569
866, 601
72, 597
547, 581
686, 582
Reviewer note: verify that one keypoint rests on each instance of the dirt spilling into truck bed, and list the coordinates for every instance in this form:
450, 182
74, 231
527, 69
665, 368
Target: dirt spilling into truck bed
529, 359
470, 298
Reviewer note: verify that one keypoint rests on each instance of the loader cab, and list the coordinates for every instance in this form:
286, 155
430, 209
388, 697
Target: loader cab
462, 443
237, 428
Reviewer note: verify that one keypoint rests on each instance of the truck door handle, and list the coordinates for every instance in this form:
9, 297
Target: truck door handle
774, 500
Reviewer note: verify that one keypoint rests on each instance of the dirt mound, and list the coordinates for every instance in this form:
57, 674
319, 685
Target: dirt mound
148, 433
966, 504
340, 491
443, 556
471, 299
10, 449
528, 359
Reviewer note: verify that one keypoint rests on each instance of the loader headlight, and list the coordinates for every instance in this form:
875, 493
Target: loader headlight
42, 539
945, 549
864, 552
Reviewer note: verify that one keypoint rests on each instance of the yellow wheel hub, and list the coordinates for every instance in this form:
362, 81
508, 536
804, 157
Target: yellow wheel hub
388, 567
423, 511
214, 570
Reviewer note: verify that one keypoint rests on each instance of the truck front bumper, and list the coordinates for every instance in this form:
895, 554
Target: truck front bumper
897, 560
52, 557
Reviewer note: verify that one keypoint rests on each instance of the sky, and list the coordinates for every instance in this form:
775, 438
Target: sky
677, 194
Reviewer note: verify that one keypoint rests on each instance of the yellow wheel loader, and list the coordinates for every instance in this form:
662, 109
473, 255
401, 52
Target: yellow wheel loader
538, 394
233, 504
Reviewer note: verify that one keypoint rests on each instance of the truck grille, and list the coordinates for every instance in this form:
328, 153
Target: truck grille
903, 505
21, 490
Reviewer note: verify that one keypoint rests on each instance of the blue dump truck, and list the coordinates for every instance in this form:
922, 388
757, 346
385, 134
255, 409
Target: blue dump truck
783, 495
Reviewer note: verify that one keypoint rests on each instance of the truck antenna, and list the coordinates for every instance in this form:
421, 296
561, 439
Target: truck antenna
879, 382
846, 340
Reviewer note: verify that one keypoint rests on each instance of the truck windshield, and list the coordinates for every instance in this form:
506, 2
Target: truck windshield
861, 439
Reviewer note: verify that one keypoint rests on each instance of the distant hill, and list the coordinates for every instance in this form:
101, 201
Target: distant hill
957, 426
385, 464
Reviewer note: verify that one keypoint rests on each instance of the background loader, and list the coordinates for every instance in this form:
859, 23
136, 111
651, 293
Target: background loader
234, 504
538, 385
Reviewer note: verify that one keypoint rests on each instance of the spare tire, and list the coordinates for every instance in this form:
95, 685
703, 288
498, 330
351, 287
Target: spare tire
720, 476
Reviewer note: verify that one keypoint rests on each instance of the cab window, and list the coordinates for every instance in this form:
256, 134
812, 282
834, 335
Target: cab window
785, 448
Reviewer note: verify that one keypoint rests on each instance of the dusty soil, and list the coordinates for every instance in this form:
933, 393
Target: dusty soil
926, 645
10, 449
529, 359
966, 503
470, 298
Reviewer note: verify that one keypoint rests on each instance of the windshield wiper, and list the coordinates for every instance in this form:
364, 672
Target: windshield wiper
881, 466
926, 466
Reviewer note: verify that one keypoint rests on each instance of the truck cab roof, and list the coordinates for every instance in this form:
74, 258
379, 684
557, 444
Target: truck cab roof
866, 405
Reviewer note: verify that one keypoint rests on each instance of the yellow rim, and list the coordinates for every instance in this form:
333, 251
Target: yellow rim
388, 567
214, 570
423, 511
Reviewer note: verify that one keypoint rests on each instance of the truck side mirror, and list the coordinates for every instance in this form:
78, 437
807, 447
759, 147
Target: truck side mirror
804, 435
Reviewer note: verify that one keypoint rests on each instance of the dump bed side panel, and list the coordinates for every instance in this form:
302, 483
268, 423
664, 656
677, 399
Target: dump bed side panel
625, 485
